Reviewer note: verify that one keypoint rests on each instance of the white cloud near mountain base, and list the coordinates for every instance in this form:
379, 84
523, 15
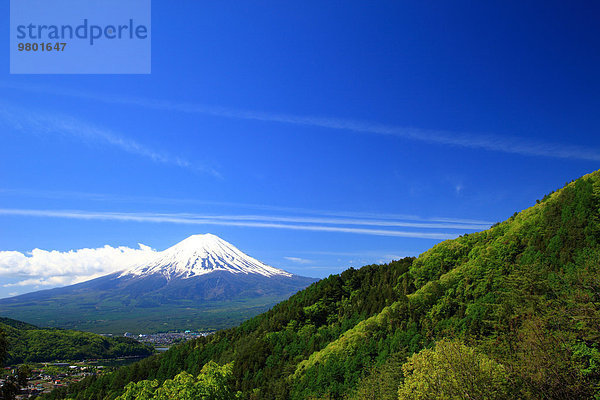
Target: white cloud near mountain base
56, 268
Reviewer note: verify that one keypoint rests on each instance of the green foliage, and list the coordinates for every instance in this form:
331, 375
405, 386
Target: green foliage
213, 383
3, 346
551, 365
142, 390
453, 371
27, 343
381, 381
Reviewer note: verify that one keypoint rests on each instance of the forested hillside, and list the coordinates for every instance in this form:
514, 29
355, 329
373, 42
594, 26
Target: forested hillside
510, 312
265, 349
28, 343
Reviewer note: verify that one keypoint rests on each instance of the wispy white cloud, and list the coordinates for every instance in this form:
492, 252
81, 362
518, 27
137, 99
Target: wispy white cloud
64, 125
490, 142
461, 223
191, 219
56, 268
366, 253
298, 260
355, 221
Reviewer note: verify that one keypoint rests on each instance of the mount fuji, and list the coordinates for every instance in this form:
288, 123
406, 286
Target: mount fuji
200, 255
201, 283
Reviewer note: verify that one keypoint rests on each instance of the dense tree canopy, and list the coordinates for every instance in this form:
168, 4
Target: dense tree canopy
452, 371
3, 347
213, 383
27, 343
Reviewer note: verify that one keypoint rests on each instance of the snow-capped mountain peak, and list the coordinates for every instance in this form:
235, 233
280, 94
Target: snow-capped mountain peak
202, 254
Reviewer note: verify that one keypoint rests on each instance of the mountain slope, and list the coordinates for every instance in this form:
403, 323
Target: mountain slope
526, 293
522, 288
201, 283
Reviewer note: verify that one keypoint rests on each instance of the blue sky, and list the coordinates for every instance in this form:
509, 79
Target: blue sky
314, 136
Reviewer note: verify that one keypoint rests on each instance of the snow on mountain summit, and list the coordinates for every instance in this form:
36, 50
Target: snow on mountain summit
202, 254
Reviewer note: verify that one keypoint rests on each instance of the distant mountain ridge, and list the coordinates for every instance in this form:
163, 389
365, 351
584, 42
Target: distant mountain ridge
202, 282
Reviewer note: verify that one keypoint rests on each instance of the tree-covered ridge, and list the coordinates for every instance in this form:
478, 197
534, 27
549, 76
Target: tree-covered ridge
525, 291
264, 350
28, 343
518, 304
17, 324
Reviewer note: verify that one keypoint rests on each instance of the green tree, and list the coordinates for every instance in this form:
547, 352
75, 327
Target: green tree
453, 371
551, 367
382, 381
213, 383
3, 347
142, 390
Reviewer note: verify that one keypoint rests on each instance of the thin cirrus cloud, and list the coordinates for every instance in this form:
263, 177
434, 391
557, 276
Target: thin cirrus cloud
355, 215
298, 260
237, 221
504, 144
55, 268
63, 125
346, 221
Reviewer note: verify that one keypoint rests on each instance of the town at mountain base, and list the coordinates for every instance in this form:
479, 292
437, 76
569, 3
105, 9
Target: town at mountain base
512, 312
